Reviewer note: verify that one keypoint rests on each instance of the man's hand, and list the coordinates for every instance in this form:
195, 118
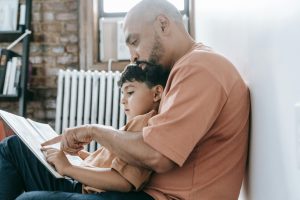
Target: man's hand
57, 158
73, 139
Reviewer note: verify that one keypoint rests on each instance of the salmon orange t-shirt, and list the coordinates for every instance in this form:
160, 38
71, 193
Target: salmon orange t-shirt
202, 126
103, 158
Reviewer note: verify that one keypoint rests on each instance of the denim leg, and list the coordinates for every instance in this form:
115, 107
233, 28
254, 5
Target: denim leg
21, 171
73, 196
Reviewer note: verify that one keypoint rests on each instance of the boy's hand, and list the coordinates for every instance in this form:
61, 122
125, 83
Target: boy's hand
57, 158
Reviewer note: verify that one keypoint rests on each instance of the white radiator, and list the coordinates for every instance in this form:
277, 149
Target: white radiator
88, 97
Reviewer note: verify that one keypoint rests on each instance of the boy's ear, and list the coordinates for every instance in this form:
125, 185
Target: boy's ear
157, 92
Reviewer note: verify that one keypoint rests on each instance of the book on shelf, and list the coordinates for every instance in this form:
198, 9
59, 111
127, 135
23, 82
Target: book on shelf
34, 133
10, 70
9, 12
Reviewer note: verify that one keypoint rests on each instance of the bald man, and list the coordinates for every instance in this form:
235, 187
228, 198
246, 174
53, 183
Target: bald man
197, 144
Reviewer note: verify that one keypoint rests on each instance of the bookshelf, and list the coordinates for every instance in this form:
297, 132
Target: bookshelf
10, 36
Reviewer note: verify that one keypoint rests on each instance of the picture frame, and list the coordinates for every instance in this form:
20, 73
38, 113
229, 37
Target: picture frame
9, 15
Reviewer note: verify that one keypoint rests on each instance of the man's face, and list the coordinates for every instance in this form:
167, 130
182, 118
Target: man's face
137, 98
144, 44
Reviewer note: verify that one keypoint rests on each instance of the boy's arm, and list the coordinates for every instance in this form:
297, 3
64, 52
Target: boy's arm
100, 178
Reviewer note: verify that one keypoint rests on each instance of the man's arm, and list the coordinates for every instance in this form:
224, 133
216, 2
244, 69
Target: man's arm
131, 148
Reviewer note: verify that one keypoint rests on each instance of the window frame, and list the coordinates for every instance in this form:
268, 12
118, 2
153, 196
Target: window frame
89, 53
122, 14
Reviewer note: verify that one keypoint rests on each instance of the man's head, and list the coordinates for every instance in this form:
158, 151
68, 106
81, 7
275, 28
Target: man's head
142, 88
154, 32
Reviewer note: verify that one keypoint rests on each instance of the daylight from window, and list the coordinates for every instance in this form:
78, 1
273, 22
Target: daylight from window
117, 6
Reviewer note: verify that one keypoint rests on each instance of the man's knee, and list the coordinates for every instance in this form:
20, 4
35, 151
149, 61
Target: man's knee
9, 144
56, 195
29, 196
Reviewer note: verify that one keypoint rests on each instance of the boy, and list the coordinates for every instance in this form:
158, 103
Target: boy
142, 88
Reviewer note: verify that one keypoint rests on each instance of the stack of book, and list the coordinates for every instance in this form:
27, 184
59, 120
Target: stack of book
10, 70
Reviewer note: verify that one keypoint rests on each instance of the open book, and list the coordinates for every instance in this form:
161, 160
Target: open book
33, 134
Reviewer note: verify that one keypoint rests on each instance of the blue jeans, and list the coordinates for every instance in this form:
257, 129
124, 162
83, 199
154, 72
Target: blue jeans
23, 177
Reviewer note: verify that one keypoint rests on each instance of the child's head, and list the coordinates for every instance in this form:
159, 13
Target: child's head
142, 88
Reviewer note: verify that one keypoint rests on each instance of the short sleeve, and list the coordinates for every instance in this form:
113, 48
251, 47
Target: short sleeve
137, 176
189, 108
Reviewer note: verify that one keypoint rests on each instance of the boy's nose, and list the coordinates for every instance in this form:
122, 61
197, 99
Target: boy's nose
123, 100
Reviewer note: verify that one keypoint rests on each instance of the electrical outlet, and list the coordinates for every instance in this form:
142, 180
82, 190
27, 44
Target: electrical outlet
297, 129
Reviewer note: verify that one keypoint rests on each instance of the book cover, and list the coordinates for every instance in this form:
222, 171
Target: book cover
33, 133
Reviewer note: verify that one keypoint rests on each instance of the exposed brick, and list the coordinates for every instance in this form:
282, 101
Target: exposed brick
73, 38
72, 48
36, 7
50, 114
72, 5
51, 27
38, 71
51, 38
39, 114
50, 61
39, 38
71, 27
35, 48
66, 16
36, 17
38, 81
53, 71
64, 39
51, 82
36, 59
66, 59
57, 6
36, 28
48, 16
58, 49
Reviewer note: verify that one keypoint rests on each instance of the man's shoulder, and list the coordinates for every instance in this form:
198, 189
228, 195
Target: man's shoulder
202, 61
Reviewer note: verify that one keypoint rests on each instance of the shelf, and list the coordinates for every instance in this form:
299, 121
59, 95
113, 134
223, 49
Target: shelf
10, 36
9, 97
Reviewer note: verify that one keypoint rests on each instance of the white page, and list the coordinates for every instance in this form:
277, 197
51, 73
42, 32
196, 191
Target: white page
46, 132
32, 138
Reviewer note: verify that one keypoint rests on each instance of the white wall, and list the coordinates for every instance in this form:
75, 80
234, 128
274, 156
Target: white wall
262, 38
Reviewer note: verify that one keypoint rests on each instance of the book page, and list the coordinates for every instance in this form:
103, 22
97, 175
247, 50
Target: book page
46, 132
32, 136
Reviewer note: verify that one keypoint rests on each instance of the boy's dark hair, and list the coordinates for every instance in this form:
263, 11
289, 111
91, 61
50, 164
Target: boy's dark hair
151, 75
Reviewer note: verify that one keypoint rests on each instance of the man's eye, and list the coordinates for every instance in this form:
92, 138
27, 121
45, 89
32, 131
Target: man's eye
133, 43
130, 93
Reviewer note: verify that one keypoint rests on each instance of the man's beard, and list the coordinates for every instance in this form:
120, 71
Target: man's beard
156, 52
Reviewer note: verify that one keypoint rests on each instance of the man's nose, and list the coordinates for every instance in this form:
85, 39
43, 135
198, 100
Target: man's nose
134, 56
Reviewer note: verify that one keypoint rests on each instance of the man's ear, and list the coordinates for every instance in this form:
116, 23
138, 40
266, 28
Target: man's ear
157, 92
163, 24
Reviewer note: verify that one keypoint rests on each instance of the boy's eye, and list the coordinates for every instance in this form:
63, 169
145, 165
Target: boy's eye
130, 93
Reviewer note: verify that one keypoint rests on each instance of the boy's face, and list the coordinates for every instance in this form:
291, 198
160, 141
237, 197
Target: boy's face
137, 98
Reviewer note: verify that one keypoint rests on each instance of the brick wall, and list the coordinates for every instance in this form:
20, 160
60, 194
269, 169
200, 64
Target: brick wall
54, 46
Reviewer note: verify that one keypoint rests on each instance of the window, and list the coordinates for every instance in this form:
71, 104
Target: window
105, 42
117, 8
112, 40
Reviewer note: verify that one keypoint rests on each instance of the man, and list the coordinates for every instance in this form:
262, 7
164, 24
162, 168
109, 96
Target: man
197, 144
